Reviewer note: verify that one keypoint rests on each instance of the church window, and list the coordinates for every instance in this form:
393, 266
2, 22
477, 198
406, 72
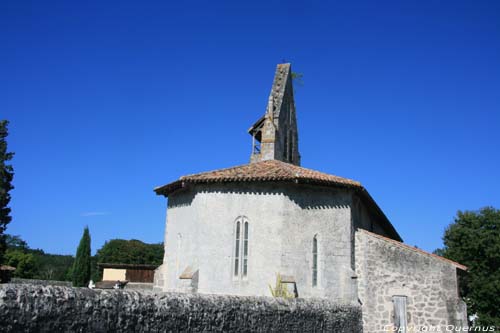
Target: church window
237, 249
400, 322
245, 250
315, 262
241, 248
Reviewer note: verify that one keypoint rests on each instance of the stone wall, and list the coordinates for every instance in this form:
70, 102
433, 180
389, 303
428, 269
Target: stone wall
283, 220
363, 218
61, 309
324, 213
200, 232
41, 282
139, 286
387, 268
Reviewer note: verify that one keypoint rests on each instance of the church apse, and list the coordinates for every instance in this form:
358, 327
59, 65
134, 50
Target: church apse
275, 135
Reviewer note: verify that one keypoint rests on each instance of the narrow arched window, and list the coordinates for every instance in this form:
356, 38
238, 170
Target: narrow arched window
315, 261
245, 250
237, 249
241, 248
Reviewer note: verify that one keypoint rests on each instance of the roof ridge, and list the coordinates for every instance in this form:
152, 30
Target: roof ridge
262, 171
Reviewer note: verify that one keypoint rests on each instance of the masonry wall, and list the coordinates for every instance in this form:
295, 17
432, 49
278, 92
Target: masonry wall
41, 282
28, 308
385, 269
323, 212
200, 233
284, 218
364, 220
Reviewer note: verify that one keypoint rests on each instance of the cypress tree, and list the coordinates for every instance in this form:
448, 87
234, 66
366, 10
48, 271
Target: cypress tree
6, 176
81, 267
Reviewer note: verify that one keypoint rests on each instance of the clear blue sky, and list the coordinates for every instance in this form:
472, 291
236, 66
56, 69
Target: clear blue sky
108, 99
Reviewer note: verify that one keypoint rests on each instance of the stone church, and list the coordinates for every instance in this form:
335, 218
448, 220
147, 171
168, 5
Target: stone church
232, 231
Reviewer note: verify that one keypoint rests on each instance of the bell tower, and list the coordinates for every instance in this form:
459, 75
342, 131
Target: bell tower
275, 135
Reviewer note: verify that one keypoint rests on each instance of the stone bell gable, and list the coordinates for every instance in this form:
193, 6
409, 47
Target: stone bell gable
275, 135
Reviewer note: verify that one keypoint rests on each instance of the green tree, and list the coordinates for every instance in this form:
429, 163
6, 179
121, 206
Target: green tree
46, 266
81, 267
6, 176
53, 266
474, 240
15, 242
24, 263
120, 251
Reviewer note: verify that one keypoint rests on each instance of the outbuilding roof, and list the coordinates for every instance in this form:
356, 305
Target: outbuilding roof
128, 266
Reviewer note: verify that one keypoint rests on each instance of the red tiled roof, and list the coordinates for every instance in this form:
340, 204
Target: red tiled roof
415, 249
265, 171
277, 171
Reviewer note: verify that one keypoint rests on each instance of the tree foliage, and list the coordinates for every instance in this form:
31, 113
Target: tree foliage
6, 176
24, 263
474, 240
15, 242
81, 267
121, 251
53, 266
46, 266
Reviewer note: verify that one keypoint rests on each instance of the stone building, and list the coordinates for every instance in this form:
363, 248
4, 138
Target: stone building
232, 231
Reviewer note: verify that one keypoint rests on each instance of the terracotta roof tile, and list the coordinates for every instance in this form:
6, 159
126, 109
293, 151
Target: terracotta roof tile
277, 171
265, 171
